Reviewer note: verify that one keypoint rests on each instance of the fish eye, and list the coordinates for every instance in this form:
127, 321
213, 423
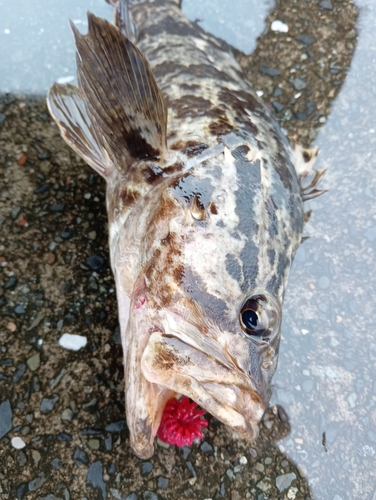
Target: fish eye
257, 317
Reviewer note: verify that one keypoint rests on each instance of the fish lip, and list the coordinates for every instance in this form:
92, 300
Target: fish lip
246, 407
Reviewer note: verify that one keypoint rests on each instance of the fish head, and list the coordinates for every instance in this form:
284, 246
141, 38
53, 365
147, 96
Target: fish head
224, 365
211, 336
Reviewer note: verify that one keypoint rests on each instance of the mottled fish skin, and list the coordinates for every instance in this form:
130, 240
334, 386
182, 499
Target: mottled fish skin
206, 223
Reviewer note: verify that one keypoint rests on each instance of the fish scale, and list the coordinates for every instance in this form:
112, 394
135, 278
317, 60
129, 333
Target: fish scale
205, 208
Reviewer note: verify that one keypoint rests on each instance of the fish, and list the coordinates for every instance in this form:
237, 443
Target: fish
205, 200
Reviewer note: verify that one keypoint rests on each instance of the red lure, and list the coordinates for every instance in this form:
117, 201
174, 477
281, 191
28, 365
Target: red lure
181, 422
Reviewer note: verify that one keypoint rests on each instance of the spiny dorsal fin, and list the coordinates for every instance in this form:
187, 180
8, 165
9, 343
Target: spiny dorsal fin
121, 94
69, 112
124, 20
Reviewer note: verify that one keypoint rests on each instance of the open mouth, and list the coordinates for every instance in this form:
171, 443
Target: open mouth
208, 377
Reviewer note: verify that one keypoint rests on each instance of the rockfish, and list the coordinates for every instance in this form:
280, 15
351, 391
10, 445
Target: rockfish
205, 210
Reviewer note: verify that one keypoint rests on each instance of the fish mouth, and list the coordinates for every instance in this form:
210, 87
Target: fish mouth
208, 376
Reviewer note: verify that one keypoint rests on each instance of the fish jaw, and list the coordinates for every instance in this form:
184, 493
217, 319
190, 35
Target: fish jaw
205, 370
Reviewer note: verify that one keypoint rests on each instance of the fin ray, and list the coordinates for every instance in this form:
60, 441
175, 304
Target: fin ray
68, 109
124, 20
121, 94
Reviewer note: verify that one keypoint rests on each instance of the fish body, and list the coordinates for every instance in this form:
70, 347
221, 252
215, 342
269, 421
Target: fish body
205, 209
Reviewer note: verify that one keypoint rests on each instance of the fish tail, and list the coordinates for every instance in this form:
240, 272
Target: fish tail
121, 94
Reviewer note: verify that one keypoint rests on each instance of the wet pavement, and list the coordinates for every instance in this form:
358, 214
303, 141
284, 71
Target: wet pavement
62, 424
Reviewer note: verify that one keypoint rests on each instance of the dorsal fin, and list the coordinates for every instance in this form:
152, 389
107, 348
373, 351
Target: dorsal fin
124, 20
121, 94
69, 112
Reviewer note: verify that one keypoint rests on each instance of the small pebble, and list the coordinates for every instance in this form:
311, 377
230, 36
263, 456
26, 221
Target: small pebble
230, 474
111, 469
243, 460
146, 468
326, 4
22, 490
263, 486
36, 457
18, 443
279, 26
80, 457
72, 342
19, 373
108, 443
149, 495
284, 481
5, 418
266, 70
95, 262
206, 447
67, 414
259, 467
94, 478
132, 496
116, 426
22, 160
49, 258
163, 482
47, 404
56, 463
57, 207
37, 482
305, 39
20, 309
43, 188
291, 494
21, 458
64, 436
15, 211
277, 106
23, 222
298, 83
12, 327
33, 363
94, 444
11, 283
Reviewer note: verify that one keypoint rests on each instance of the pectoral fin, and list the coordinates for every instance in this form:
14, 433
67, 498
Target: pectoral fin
121, 94
69, 112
